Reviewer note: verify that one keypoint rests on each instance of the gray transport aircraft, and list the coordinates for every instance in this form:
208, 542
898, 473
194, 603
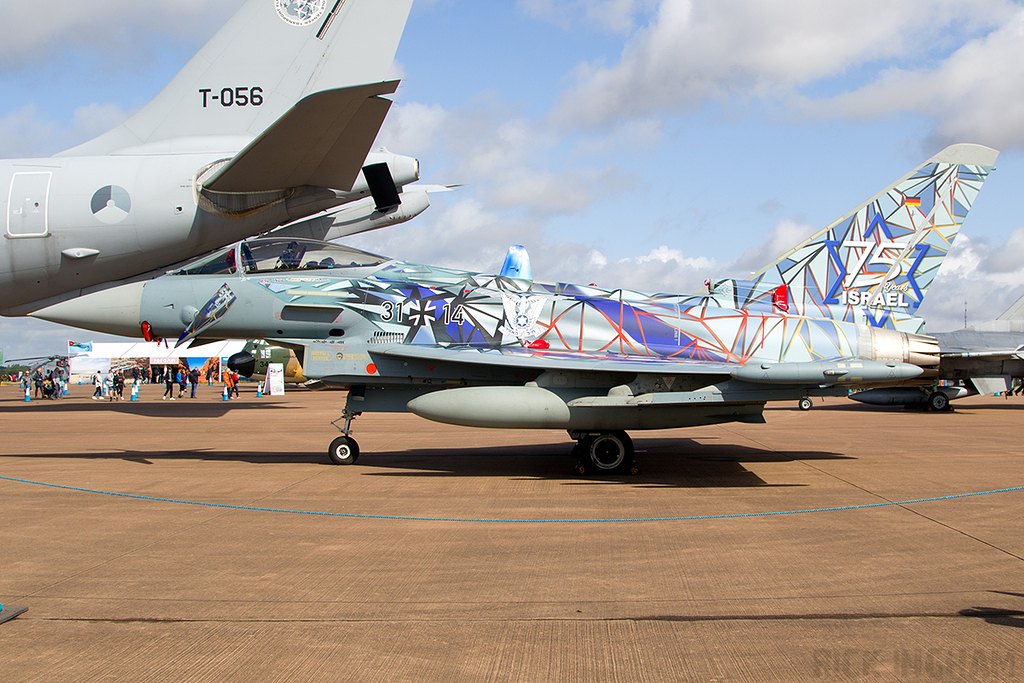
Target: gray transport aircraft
271, 122
504, 351
981, 359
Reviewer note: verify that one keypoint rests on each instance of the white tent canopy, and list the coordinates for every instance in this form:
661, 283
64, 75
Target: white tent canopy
158, 352
104, 355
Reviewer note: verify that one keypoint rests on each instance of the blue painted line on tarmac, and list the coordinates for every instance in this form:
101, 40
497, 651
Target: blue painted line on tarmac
352, 515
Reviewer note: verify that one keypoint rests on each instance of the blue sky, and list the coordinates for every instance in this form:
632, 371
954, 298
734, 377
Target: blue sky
641, 143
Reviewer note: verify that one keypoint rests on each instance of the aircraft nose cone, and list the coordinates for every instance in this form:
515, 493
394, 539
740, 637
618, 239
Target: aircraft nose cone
243, 362
113, 311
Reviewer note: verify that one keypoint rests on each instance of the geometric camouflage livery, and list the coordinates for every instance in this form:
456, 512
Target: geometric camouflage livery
484, 316
874, 265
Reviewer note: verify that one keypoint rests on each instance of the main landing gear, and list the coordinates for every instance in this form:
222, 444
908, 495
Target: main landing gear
604, 453
344, 450
938, 401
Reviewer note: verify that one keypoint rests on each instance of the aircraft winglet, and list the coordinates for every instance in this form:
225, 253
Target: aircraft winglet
321, 142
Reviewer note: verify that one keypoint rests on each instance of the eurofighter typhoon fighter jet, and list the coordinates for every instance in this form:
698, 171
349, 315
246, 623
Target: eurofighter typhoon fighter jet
464, 348
270, 123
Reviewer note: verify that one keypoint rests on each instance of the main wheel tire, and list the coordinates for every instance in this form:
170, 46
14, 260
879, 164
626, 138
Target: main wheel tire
343, 451
610, 451
805, 404
938, 401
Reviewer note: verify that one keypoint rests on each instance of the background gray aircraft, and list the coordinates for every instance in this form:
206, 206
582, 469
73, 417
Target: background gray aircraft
272, 121
982, 359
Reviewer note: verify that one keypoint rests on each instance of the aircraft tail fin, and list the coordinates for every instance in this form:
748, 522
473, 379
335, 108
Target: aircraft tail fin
874, 265
265, 59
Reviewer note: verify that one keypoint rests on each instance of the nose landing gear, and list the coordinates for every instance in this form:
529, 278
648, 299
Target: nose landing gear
344, 450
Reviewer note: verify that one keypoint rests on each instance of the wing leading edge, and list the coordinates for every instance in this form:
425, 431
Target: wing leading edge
839, 371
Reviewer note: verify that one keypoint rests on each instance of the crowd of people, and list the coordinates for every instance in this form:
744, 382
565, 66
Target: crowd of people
50, 385
176, 382
118, 378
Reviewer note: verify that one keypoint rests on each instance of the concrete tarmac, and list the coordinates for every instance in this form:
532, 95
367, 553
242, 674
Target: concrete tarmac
450, 567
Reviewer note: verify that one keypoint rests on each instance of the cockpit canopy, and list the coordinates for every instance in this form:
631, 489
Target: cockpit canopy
277, 254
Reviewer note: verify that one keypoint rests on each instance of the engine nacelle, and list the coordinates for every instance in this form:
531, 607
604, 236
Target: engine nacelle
362, 216
404, 170
880, 344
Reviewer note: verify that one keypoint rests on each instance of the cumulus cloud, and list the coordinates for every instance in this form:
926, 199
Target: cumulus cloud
633, 136
786, 234
615, 16
112, 27
547, 194
473, 236
412, 128
455, 233
662, 269
978, 275
695, 50
25, 133
506, 159
974, 94
1007, 259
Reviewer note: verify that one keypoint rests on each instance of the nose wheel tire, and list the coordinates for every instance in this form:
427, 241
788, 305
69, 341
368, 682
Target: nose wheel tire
343, 451
805, 404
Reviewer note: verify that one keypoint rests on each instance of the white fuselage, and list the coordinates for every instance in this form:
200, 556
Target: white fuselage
71, 223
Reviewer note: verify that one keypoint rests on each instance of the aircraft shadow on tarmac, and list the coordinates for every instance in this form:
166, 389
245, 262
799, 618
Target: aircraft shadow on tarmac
198, 454
680, 463
181, 408
996, 615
